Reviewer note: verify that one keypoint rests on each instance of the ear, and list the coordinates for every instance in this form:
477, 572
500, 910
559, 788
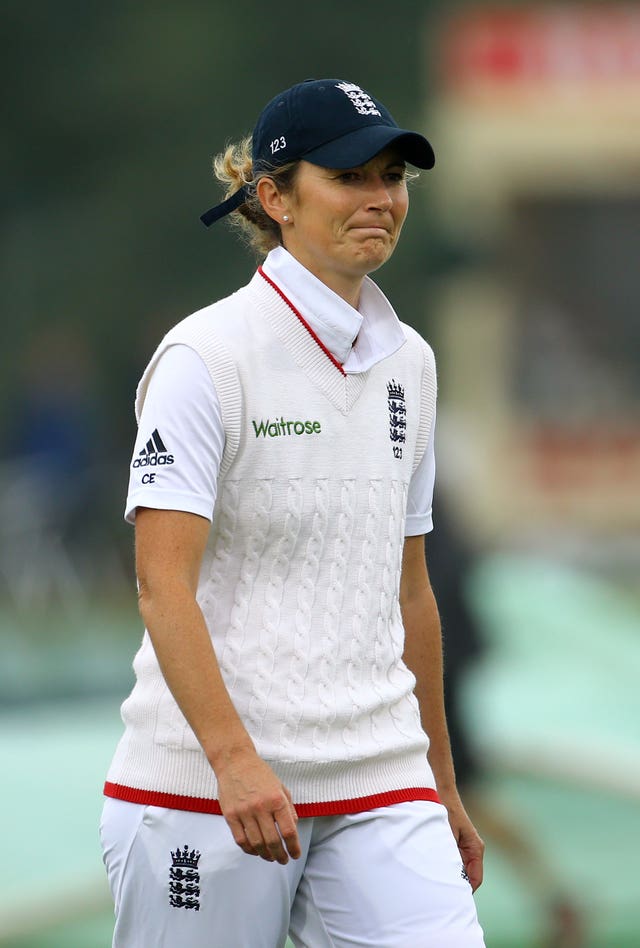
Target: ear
274, 203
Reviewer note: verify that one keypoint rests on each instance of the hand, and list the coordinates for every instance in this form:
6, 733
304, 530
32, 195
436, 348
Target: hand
469, 843
258, 808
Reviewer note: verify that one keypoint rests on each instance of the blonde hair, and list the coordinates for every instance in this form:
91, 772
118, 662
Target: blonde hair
234, 168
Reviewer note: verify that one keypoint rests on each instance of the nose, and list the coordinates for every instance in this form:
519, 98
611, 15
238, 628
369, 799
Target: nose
379, 197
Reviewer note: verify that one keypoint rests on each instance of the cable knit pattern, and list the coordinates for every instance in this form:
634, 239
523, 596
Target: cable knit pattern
299, 664
338, 572
231, 654
217, 559
266, 667
362, 600
300, 580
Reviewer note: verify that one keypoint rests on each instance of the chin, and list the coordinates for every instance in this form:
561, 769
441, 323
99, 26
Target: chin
373, 258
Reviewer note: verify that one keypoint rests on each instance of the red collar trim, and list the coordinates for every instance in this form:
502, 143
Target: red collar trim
306, 325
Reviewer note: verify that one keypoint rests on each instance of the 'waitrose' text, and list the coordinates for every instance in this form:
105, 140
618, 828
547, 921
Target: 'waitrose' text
275, 429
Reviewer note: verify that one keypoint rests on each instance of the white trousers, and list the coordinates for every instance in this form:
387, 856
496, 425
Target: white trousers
386, 878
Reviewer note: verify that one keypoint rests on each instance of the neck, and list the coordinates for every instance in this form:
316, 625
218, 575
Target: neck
350, 294
345, 285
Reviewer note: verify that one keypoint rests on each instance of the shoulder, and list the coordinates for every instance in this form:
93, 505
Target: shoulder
214, 317
418, 351
180, 368
206, 333
418, 342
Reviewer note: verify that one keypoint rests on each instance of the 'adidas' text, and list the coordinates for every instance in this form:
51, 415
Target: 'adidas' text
154, 453
153, 460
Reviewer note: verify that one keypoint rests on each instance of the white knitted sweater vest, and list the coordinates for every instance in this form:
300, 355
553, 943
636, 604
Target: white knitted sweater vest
300, 581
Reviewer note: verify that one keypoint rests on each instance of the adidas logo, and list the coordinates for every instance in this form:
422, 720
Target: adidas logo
154, 453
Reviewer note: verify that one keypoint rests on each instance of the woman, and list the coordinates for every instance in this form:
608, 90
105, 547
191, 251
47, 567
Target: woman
273, 776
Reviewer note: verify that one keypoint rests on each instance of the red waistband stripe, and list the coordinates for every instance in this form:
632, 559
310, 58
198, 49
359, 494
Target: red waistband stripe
174, 801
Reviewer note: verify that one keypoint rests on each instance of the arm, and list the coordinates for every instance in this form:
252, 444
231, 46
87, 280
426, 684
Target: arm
423, 656
169, 549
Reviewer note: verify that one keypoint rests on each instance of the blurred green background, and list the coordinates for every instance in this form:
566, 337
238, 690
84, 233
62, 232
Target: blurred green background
519, 264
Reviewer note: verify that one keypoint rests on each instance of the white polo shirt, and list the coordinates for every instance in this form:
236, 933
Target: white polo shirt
182, 418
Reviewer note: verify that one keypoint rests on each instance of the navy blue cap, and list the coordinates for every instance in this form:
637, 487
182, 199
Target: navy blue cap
328, 122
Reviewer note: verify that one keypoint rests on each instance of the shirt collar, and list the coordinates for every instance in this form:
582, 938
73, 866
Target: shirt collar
357, 338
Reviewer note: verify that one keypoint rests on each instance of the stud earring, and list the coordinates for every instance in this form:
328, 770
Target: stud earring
285, 217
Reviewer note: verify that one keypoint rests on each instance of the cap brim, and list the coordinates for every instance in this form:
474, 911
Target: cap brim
358, 147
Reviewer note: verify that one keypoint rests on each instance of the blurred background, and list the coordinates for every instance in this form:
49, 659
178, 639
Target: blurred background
519, 263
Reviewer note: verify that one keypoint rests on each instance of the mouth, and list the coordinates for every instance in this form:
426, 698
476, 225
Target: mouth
371, 230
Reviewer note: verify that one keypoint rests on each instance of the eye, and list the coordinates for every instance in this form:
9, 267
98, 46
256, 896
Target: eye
396, 176
348, 177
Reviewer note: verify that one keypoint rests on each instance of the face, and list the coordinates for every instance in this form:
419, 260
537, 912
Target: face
345, 224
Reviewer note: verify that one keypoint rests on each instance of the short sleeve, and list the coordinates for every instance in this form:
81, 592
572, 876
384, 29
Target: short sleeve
180, 442
420, 495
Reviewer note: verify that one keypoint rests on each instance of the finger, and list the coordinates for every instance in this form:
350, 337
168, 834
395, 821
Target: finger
240, 837
290, 799
474, 870
286, 819
476, 875
261, 838
273, 839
